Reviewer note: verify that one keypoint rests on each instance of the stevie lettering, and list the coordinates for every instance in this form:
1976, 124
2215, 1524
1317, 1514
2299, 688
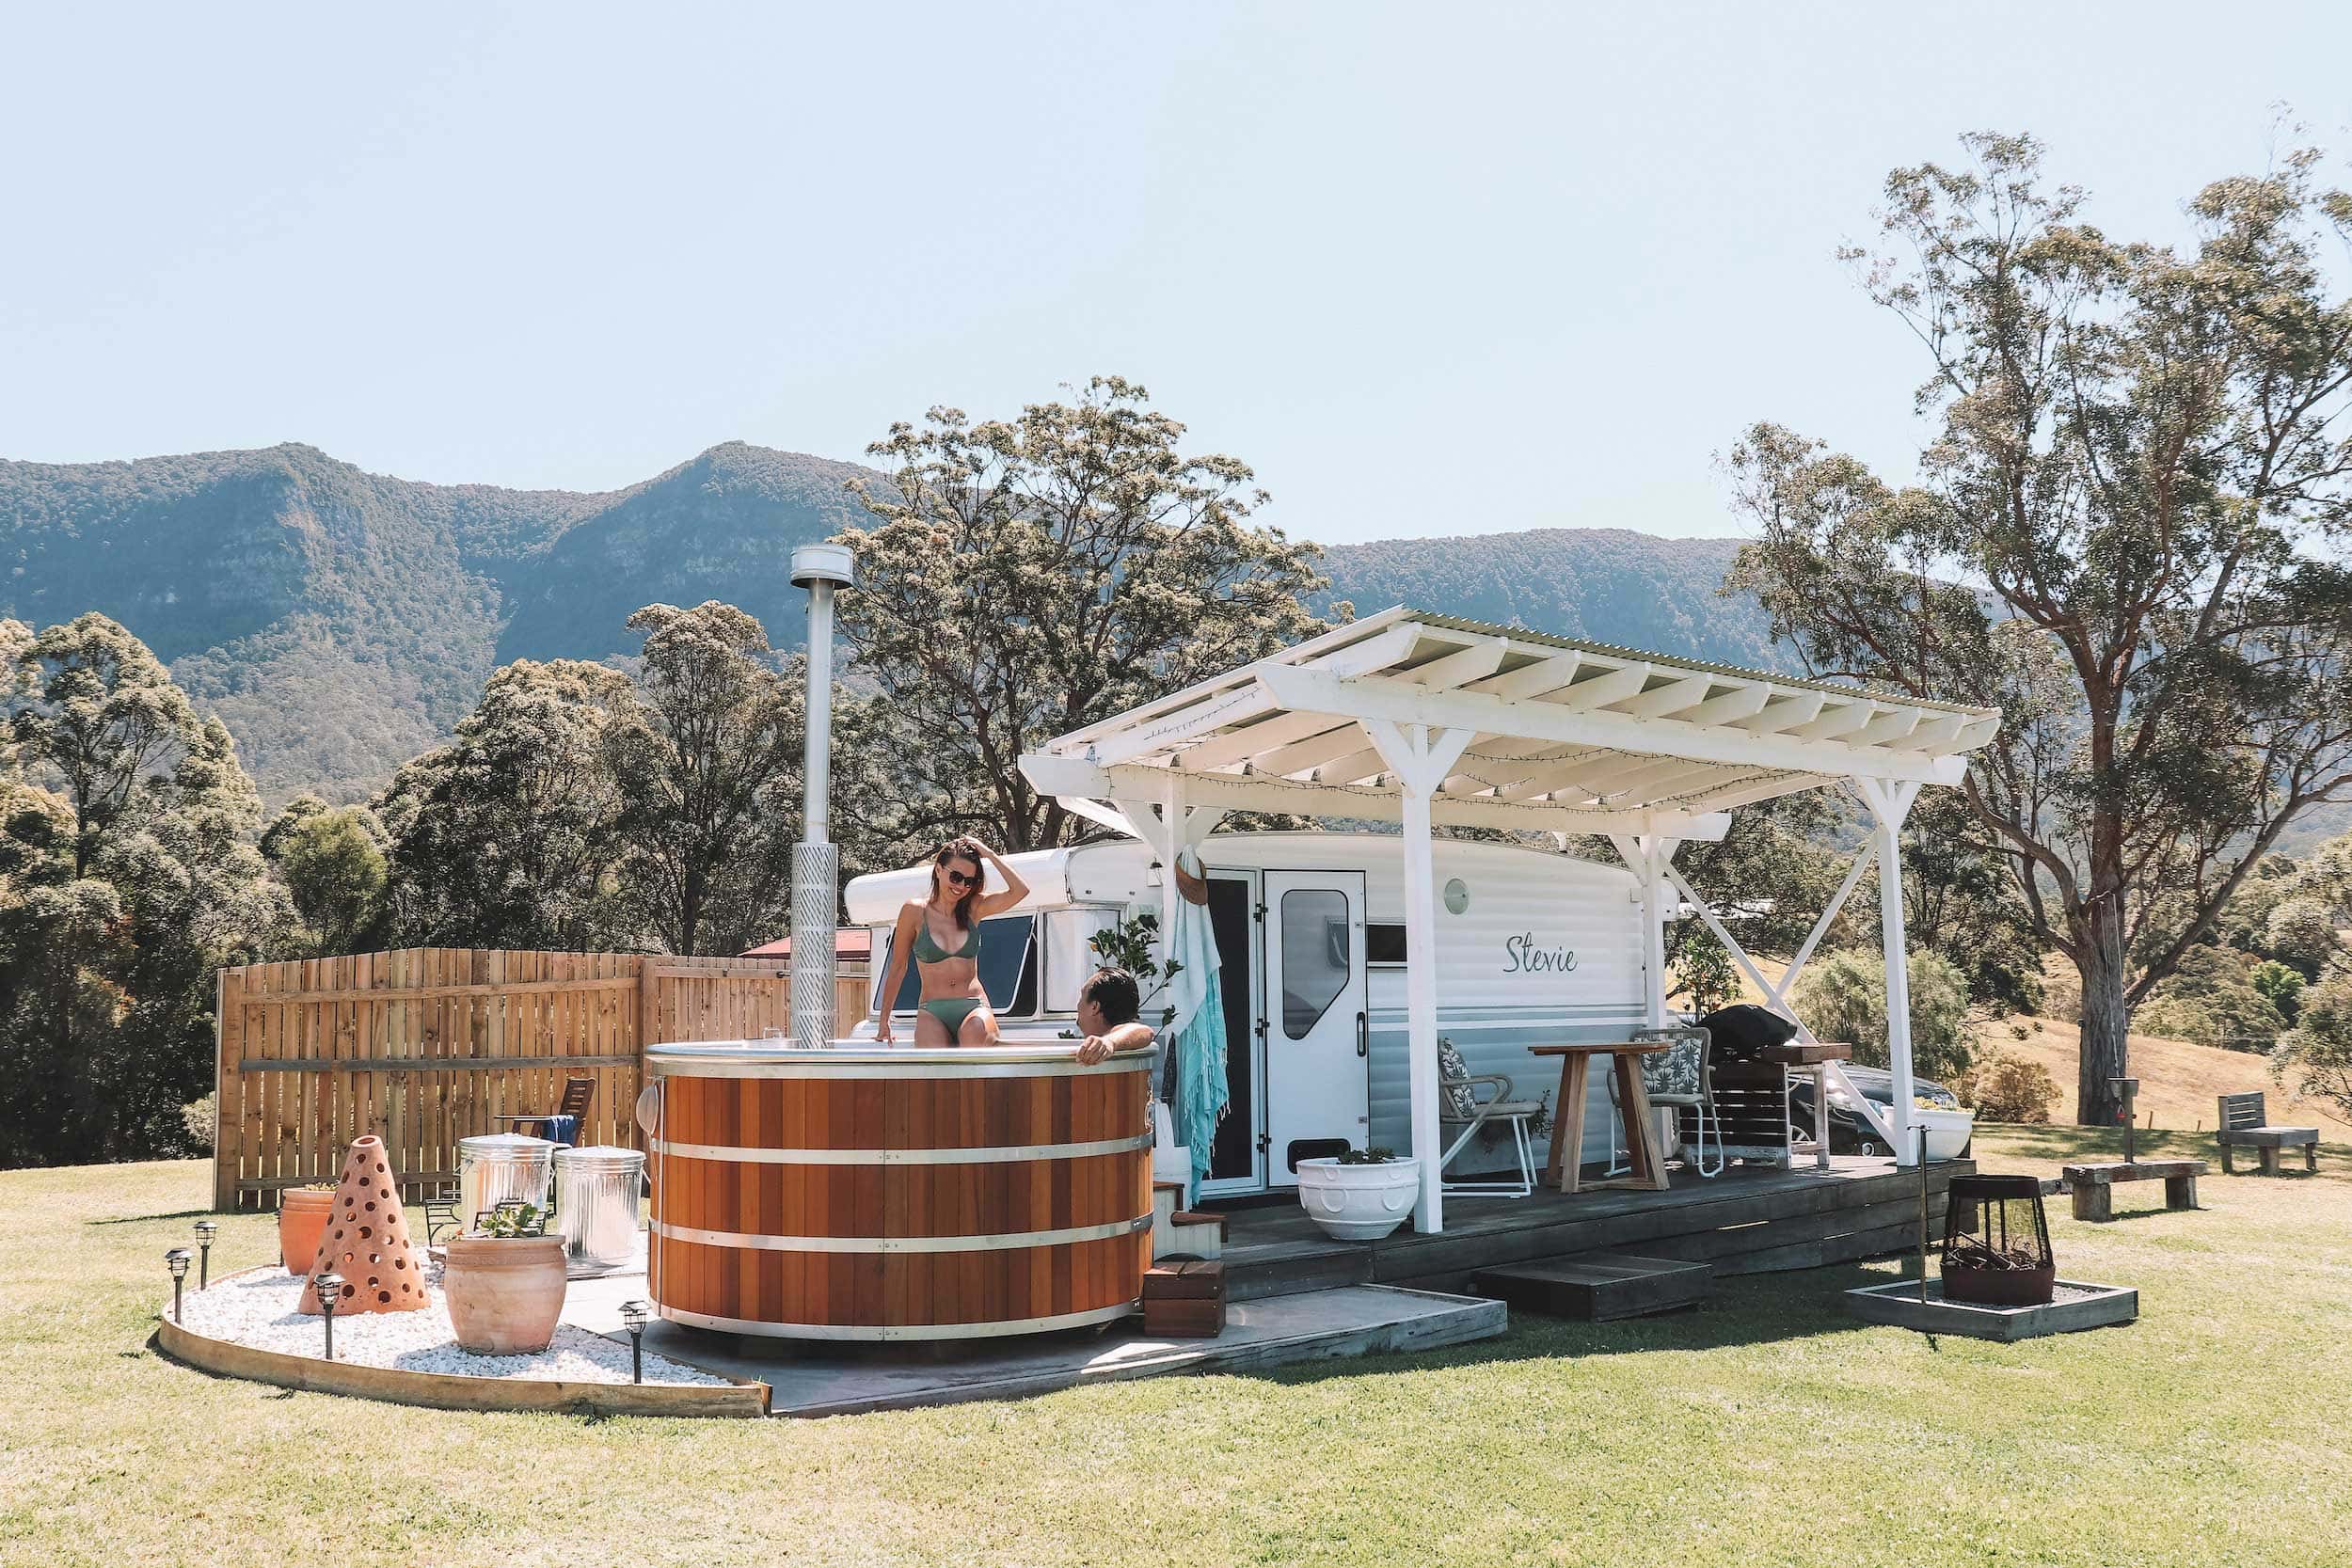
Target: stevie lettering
1521, 955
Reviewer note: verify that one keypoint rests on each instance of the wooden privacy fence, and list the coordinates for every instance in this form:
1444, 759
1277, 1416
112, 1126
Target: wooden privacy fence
428, 1045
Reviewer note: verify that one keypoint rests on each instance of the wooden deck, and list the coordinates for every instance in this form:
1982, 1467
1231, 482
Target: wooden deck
1742, 1222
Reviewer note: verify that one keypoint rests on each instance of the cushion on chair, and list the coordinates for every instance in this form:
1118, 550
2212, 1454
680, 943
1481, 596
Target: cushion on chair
1460, 1103
1674, 1073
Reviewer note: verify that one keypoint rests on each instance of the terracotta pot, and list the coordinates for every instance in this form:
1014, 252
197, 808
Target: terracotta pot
504, 1293
301, 1218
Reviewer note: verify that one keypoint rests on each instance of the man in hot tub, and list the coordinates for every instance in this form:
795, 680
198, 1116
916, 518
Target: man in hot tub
1107, 1006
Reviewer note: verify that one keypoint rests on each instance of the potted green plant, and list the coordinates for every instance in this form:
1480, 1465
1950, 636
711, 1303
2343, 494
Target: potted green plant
302, 1213
1359, 1196
503, 1280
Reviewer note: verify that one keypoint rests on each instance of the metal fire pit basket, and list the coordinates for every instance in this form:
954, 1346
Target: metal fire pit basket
596, 1203
1997, 1243
500, 1167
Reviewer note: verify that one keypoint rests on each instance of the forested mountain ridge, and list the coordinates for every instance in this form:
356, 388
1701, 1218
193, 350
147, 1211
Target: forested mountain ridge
340, 622
1599, 584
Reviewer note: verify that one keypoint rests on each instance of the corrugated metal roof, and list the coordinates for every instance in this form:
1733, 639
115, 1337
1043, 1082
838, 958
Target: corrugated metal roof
1679, 661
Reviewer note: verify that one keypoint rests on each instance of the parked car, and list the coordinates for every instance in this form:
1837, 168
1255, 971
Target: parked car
1847, 1132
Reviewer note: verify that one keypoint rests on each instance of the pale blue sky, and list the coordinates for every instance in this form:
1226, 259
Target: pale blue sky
1437, 268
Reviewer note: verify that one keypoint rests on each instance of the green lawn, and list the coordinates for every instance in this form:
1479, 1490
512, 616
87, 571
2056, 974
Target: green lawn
1767, 1429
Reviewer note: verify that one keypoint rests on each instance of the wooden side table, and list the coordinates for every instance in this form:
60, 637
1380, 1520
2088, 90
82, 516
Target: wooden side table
1796, 1054
1568, 1123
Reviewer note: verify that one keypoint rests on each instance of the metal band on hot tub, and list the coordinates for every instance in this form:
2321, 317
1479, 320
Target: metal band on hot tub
1004, 1242
873, 1333
975, 1156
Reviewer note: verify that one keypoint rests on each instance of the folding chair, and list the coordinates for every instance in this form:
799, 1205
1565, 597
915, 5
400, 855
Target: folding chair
1458, 1106
1682, 1075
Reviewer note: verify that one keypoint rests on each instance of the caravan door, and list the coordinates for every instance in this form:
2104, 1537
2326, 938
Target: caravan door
1318, 1073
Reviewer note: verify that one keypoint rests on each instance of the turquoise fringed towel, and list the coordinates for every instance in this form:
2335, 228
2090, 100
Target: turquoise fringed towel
1201, 1094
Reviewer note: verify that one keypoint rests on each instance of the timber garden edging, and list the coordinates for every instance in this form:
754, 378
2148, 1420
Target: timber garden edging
737, 1398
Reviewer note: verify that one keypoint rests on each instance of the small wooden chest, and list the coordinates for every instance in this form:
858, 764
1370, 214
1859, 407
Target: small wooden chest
1183, 1301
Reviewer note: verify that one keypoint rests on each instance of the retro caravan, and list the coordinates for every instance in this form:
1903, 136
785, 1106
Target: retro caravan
1531, 947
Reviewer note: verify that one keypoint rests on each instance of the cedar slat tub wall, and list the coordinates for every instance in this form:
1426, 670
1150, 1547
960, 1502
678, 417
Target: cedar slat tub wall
866, 1192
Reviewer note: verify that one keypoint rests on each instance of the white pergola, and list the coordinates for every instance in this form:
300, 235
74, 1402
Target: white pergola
1429, 719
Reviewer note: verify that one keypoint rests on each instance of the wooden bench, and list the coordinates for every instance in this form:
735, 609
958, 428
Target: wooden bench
2093, 1186
2246, 1124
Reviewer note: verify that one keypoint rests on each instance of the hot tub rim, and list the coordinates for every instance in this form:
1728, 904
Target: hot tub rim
768, 1059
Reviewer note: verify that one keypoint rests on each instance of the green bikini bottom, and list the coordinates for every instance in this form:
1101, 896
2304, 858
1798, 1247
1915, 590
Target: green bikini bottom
953, 1011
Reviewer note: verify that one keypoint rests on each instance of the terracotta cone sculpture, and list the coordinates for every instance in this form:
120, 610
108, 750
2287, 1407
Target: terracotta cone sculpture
366, 1240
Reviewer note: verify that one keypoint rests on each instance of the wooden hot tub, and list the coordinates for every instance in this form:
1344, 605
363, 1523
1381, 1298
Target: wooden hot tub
870, 1193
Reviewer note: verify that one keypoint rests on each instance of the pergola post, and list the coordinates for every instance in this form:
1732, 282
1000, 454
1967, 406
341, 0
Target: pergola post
1656, 854
1174, 828
1650, 858
1173, 817
1889, 804
1421, 762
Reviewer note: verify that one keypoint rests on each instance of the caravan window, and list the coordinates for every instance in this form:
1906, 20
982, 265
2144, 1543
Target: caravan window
1008, 968
1384, 942
1315, 962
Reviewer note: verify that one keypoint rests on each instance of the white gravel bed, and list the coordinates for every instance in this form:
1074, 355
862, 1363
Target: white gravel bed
259, 1309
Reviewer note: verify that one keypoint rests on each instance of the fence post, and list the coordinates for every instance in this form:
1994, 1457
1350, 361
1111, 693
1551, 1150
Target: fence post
228, 1091
648, 1005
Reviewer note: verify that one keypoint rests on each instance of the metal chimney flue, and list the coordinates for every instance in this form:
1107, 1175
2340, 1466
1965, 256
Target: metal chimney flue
816, 863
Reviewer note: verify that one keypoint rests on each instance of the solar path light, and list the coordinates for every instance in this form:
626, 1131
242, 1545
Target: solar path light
176, 1261
329, 1286
633, 1316
205, 1232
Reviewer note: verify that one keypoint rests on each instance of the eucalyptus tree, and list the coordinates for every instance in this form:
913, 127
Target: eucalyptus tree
1023, 578
333, 861
508, 835
2125, 533
127, 877
707, 761
99, 713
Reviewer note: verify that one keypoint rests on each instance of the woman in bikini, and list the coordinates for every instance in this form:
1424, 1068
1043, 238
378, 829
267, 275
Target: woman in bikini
942, 934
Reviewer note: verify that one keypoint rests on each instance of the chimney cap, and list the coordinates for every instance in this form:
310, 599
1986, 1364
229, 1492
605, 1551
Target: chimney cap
829, 563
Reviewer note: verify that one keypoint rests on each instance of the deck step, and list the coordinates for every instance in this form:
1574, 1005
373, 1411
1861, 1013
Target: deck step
1745, 1222
1190, 1240
1597, 1286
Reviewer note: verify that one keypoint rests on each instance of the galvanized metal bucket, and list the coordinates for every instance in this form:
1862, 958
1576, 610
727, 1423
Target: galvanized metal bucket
500, 1167
596, 1203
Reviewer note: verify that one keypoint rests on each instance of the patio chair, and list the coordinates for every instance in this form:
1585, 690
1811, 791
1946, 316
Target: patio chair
562, 1125
1458, 1106
440, 1213
1681, 1076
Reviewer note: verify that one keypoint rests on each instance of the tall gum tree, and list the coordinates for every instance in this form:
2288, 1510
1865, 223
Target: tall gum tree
1023, 577
2128, 534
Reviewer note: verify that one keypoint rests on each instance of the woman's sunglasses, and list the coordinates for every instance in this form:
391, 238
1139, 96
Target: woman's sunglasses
956, 878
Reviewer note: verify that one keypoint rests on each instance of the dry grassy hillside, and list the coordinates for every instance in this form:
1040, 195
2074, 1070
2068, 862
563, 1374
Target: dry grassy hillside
2178, 1081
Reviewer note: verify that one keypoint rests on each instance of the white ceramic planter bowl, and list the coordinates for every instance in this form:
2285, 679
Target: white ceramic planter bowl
1359, 1203
1948, 1131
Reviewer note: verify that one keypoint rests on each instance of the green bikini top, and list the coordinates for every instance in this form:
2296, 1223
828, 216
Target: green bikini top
929, 952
